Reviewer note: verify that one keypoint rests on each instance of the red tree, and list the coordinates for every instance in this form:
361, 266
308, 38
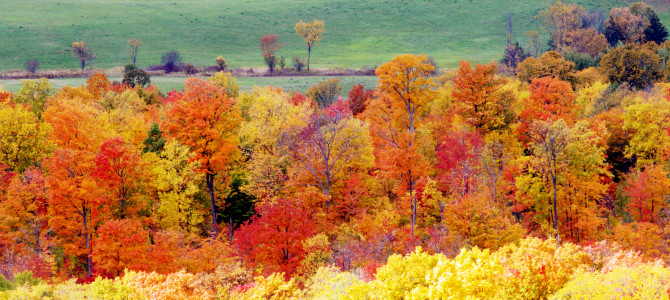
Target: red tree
274, 238
269, 45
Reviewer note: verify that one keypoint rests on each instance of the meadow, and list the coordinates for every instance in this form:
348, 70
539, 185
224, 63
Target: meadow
358, 33
167, 83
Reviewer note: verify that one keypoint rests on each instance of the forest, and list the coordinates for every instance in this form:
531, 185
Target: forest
541, 175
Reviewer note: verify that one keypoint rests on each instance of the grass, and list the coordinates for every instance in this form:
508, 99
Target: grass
166, 83
362, 33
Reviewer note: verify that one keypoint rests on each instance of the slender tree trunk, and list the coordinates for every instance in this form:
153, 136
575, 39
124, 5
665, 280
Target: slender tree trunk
83, 65
88, 245
411, 194
309, 53
210, 185
231, 228
553, 180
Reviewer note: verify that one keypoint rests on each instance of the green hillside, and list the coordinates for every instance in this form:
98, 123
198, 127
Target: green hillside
358, 33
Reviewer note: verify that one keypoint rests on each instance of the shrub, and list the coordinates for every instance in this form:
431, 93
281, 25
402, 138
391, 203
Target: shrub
189, 68
298, 63
170, 61
282, 63
32, 65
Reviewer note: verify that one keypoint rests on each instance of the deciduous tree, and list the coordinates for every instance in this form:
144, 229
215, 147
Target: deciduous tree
269, 45
311, 32
405, 87
23, 138
120, 245
332, 143
204, 118
83, 52
133, 47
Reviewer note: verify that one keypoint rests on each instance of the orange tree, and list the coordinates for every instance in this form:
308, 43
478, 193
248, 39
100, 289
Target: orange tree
405, 87
204, 118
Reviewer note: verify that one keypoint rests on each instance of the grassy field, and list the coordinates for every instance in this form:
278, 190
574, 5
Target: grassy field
166, 84
362, 33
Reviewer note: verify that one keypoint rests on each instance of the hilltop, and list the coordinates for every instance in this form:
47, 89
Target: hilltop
358, 33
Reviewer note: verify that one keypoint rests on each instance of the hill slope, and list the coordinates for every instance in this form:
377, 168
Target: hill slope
358, 33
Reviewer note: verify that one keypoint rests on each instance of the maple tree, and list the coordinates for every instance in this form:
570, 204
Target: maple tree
175, 178
358, 97
204, 118
74, 201
36, 93
274, 239
118, 171
647, 191
405, 88
24, 210
120, 245
481, 101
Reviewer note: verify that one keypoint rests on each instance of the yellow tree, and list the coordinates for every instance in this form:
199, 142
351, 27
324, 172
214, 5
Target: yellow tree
268, 116
175, 177
35, 93
23, 139
405, 87
311, 32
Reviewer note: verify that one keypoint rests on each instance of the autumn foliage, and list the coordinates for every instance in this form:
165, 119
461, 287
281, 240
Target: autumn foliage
470, 183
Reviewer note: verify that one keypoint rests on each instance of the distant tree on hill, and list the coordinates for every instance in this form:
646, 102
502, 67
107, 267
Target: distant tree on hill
171, 61
32, 65
269, 45
311, 32
134, 45
83, 52
221, 63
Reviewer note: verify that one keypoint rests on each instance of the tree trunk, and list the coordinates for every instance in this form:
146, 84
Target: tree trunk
231, 228
553, 180
309, 53
88, 245
210, 185
83, 65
